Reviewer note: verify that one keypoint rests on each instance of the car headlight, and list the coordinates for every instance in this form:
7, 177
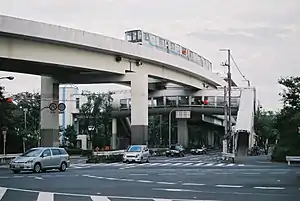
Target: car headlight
137, 155
30, 161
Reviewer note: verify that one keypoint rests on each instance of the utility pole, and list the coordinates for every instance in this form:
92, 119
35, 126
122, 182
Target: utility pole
225, 121
229, 125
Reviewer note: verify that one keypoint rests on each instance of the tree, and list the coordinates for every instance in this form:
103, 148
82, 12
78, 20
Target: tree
265, 128
28, 108
71, 136
287, 121
96, 112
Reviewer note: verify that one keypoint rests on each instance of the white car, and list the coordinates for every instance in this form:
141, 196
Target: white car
136, 153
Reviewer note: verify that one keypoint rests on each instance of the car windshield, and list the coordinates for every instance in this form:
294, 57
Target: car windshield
32, 153
173, 147
134, 149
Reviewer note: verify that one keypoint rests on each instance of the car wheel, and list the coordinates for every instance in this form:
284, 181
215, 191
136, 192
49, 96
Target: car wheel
63, 167
16, 171
37, 168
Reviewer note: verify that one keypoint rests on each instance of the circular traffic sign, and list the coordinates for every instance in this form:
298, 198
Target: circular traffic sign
61, 107
52, 106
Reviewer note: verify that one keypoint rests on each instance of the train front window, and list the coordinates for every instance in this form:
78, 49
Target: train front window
129, 36
139, 36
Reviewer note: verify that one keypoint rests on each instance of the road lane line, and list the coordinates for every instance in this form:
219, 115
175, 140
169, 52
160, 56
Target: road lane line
45, 196
269, 188
228, 186
198, 164
167, 183
145, 181
192, 184
251, 173
229, 165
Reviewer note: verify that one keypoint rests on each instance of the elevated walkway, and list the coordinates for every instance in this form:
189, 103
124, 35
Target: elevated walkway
244, 127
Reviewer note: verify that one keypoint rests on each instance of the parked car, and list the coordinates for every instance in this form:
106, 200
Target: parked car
41, 159
175, 150
136, 153
199, 150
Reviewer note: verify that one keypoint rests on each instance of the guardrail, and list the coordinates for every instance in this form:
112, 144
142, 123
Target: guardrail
289, 159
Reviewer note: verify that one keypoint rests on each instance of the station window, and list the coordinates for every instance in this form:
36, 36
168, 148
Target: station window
152, 39
134, 36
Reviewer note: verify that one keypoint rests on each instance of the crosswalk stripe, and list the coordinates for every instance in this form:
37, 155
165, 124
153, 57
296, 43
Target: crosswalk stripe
80, 166
45, 196
99, 198
2, 192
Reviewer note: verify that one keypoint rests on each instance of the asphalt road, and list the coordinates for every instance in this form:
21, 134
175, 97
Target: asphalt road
255, 181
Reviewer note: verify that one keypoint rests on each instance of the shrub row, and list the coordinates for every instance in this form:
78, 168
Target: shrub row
105, 159
80, 152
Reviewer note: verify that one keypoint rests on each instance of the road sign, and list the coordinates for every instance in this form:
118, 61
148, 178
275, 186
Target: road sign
53, 106
183, 114
61, 107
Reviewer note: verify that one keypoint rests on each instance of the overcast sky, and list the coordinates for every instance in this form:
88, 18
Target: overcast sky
263, 35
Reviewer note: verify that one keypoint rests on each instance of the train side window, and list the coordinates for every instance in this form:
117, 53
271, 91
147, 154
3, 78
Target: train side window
172, 46
183, 51
139, 36
152, 39
134, 36
177, 48
161, 42
201, 61
146, 36
157, 40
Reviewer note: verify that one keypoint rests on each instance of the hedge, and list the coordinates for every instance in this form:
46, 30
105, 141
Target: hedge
76, 151
105, 159
280, 152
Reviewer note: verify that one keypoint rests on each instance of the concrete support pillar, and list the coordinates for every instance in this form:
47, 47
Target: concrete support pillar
49, 119
139, 108
182, 132
114, 134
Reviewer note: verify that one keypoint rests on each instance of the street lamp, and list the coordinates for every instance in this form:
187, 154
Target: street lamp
7, 77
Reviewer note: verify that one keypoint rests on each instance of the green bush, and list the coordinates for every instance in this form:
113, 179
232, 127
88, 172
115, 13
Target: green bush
280, 152
105, 159
77, 151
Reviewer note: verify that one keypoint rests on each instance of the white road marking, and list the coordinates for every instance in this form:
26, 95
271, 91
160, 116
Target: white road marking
197, 173
220, 164
241, 165
224, 173
138, 174
209, 164
229, 165
192, 184
198, 164
2, 192
251, 173
99, 198
45, 196
126, 179
175, 164
187, 164
167, 174
145, 181
172, 189
167, 183
269, 188
228, 186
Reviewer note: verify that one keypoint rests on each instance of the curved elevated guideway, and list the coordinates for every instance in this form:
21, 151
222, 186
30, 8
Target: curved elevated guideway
67, 55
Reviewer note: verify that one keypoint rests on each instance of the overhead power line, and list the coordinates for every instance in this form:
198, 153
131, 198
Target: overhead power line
239, 70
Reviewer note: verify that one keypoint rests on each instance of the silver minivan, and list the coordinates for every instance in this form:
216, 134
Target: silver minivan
41, 159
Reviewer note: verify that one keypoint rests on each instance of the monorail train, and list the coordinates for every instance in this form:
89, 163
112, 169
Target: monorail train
152, 40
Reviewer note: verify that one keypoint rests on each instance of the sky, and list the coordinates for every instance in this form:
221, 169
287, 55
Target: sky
263, 35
